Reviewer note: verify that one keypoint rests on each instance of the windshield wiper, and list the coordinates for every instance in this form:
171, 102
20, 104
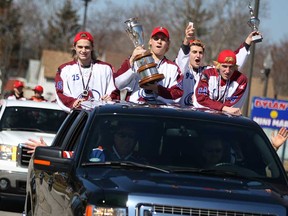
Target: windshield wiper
209, 171
226, 173
125, 164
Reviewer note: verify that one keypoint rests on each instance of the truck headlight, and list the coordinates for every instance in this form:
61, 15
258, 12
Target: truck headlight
8, 152
92, 210
4, 183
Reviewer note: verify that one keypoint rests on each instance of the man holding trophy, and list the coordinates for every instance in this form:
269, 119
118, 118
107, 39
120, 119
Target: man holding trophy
148, 76
191, 56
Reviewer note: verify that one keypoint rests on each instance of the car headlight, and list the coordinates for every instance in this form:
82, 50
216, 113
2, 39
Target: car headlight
8, 152
92, 210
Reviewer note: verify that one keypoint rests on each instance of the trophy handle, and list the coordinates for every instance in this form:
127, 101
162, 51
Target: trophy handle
135, 31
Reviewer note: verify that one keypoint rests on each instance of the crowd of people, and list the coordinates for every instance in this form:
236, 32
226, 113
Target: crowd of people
18, 94
187, 82
219, 86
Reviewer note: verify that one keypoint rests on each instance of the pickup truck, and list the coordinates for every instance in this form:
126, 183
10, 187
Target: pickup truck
183, 161
19, 121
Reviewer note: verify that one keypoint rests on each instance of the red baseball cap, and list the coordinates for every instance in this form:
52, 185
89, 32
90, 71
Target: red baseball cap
227, 56
160, 29
38, 88
83, 35
18, 84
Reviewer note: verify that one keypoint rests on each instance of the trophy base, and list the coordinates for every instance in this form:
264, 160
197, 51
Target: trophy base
257, 38
151, 79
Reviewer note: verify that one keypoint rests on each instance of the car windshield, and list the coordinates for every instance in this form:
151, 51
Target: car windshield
181, 145
32, 119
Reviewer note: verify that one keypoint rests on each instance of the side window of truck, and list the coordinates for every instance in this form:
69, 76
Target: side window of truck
70, 131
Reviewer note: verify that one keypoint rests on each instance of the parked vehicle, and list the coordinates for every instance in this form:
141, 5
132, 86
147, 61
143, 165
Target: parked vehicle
169, 176
20, 120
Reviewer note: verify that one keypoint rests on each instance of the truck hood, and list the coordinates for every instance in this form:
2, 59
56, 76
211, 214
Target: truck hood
189, 186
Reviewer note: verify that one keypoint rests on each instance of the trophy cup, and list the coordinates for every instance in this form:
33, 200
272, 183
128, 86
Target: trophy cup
146, 65
254, 23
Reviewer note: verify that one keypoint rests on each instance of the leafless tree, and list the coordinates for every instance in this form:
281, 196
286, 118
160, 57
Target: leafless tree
107, 26
10, 40
221, 24
279, 69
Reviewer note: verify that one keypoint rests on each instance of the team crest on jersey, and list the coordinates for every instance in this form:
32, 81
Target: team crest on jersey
94, 94
202, 91
59, 85
188, 99
232, 99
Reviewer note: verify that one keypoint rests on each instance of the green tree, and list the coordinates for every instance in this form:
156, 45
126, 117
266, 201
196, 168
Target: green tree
62, 27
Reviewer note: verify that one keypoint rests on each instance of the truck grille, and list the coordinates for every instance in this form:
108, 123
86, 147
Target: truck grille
23, 157
174, 210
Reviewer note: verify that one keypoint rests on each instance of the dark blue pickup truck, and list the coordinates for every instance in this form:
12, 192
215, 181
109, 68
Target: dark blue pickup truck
178, 161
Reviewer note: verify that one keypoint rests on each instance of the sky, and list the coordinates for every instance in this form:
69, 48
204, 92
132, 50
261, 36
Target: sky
274, 27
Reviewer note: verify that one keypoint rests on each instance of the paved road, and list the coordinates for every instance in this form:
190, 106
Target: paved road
4, 213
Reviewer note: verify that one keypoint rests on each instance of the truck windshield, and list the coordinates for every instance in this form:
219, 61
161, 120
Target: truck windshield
181, 144
32, 119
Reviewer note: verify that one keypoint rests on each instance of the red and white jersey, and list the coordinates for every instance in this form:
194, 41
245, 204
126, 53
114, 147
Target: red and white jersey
74, 82
168, 90
213, 92
191, 77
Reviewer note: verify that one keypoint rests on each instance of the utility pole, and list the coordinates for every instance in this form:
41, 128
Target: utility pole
268, 63
252, 52
85, 14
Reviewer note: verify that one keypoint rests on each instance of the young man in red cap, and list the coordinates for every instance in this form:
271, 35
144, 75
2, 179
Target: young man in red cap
38, 91
84, 78
18, 93
164, 91
222, 88
190, 60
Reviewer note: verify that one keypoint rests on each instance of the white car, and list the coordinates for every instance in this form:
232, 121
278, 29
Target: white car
19, 121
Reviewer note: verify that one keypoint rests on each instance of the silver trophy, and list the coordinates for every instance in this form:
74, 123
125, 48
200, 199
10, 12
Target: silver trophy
254, 22
147, 68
